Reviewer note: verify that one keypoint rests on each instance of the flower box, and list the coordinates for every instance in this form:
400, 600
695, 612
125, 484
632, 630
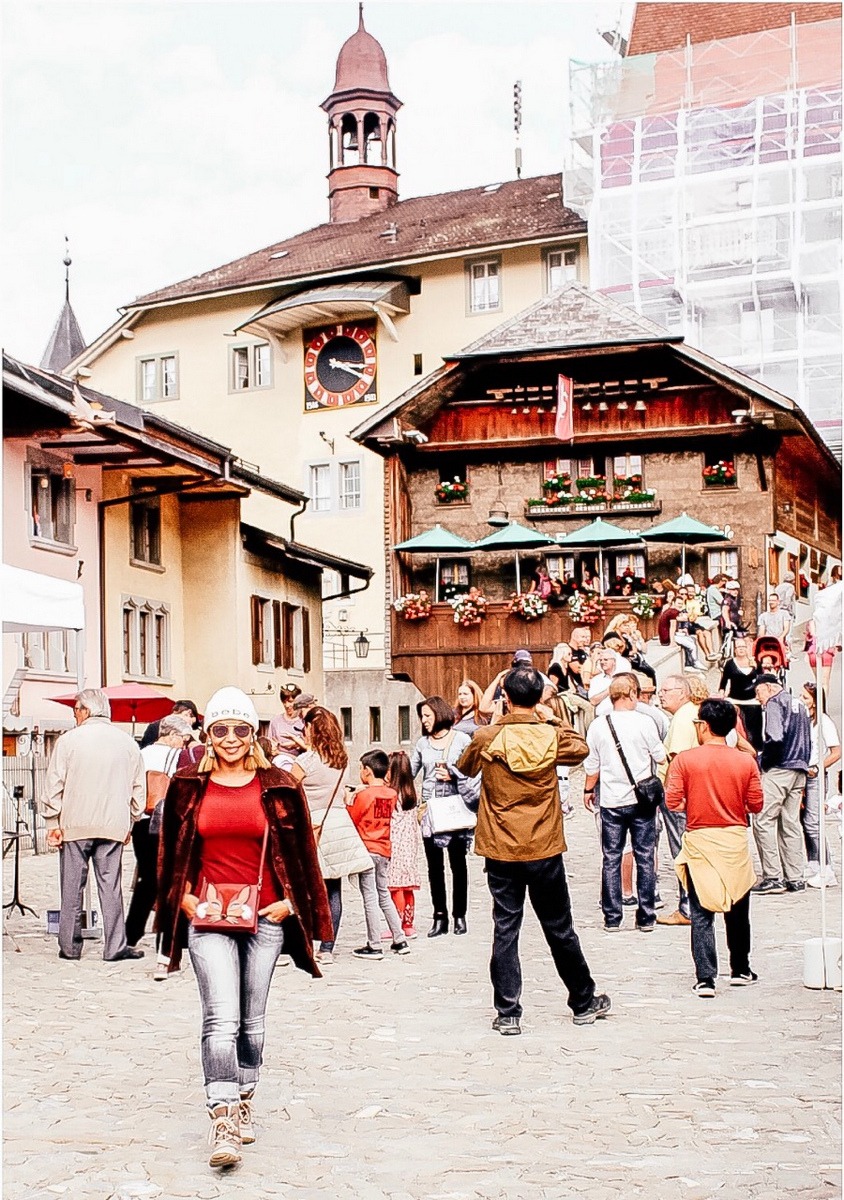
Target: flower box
529, 606
586, 608
720, 474
415, 606
469, 608
591, 482
449, 490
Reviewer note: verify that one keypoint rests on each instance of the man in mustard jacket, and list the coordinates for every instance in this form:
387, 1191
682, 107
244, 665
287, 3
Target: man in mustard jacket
520, 834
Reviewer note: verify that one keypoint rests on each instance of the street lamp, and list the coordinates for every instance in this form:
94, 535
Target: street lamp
361, 644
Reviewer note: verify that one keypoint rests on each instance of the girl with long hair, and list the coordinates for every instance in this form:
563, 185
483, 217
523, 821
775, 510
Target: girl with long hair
435, 755
323, 772
467, 713
235, 820
403, 877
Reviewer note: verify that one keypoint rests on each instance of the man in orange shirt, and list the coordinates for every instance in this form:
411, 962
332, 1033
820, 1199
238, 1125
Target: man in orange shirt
717, 788
372, 810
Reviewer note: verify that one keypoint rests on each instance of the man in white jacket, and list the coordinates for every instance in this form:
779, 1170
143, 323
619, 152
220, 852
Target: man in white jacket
94, 791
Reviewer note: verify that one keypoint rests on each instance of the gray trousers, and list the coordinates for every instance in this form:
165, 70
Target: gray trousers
107, 858
777, 828
377, 900
675, 827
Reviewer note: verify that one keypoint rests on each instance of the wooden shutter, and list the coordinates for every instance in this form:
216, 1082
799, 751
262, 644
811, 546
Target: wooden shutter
277, 656
306, 640
257, 631
287, 611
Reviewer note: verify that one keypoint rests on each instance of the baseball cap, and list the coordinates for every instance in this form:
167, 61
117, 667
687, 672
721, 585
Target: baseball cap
733, 585
765, 677
306, 700
522, 656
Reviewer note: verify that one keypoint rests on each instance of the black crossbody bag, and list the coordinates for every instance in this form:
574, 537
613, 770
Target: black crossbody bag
649, 791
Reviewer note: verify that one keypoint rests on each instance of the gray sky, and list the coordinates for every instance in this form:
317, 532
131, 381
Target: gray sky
167, 138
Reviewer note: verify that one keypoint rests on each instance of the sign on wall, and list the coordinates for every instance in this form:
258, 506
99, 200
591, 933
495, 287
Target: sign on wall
340, 365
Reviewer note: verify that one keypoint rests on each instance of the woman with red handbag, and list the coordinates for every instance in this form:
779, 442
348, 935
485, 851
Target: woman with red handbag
237, 861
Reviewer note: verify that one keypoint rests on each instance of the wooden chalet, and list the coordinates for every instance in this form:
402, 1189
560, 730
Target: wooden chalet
659, 429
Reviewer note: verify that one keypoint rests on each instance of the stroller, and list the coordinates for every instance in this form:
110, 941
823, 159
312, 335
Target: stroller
773, 652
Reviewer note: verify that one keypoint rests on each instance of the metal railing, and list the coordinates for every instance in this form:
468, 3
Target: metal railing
25, 772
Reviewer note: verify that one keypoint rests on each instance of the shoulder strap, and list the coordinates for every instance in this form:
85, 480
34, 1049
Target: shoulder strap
621, 755
263, 856
330, 802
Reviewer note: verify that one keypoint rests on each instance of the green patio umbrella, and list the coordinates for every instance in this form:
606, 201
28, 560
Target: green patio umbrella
685, 531
599, 533
435, 541
514, 537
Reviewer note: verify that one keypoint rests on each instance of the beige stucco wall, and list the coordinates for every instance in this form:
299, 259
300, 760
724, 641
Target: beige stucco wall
269, 427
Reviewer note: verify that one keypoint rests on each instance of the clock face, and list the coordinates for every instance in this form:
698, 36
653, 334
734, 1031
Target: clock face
339, 366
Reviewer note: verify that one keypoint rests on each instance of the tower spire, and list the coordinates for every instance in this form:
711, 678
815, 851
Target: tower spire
66, 340
360, 18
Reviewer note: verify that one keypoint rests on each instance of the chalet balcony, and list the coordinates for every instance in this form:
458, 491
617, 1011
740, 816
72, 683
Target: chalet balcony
437, 653
618, 508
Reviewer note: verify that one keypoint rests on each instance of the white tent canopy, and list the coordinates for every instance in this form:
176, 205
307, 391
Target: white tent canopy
32, 601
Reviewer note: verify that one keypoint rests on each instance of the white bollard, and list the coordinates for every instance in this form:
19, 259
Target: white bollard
822, 963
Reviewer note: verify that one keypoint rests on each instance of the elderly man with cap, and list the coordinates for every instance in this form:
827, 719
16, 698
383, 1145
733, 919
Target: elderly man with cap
287, 729
787, 594
93, 794
784, 763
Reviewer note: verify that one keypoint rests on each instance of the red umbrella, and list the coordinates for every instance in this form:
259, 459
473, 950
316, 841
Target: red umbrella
130, 702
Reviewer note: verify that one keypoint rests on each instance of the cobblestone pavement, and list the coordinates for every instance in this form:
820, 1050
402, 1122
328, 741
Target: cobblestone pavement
385, 1079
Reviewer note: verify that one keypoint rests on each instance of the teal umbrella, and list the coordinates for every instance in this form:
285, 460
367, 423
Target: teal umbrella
685, 531
514, 537
599, 533
435, 541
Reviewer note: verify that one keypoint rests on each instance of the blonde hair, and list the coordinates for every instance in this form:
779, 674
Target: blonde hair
255, 758
698, 690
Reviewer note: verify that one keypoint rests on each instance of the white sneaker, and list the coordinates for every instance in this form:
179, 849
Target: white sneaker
829, 878
325, 958
811, 868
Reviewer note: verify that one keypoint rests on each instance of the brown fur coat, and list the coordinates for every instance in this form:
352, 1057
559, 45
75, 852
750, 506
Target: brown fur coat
292, 858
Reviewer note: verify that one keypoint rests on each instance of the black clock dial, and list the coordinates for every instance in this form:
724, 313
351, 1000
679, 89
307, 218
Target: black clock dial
333, 359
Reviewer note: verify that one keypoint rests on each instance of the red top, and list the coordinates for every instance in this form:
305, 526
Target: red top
231, 826
371, 811
716, 784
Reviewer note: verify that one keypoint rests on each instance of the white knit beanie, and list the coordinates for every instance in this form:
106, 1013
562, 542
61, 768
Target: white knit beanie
230, 704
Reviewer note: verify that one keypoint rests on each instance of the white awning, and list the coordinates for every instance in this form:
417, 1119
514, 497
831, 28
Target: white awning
33, 601
332, 302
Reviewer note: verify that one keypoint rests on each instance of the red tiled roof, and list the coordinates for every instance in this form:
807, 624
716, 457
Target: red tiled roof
425, 227
665, 26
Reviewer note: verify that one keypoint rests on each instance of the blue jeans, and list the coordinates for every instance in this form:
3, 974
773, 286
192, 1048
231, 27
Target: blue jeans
810, 815
234, 972
615, 825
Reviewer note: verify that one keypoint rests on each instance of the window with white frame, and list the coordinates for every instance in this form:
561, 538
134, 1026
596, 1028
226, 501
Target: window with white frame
251, 367
485, 286
51, 504
146, 638
632, 562
560, 269
48, 653
722, 562
158, 378
265, 615
319, 487
350, 485
627, 465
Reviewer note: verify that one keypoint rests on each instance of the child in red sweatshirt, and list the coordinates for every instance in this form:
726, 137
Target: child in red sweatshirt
371, 810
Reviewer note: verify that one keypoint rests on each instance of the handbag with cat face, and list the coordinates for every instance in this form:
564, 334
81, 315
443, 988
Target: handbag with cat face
230, 907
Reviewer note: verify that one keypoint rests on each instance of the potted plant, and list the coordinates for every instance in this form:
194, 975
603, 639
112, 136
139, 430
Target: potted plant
720, 474
415, 606
590, 482
557, 485
469, 607
642, 605
448, 490
527, 605
636, 496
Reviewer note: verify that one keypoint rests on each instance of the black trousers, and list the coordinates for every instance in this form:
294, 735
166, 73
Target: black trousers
435, 855
143, 897
545, 881
704, 951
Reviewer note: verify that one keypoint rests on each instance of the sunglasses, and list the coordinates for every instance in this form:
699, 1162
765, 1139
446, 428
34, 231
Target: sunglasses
220, 731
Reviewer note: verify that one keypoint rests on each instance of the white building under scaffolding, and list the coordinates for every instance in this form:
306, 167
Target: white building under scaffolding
710, 176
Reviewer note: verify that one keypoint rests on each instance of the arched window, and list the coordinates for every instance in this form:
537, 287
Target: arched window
373, 147
391, 144
350, 140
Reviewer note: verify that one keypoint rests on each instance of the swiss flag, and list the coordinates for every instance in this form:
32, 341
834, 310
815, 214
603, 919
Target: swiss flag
564, 425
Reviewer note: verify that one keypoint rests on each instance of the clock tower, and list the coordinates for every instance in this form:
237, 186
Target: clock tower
362, 177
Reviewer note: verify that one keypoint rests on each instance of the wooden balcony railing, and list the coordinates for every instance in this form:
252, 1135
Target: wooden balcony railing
562, 512
437, 654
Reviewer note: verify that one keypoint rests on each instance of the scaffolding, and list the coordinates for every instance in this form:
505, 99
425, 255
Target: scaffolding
710, 177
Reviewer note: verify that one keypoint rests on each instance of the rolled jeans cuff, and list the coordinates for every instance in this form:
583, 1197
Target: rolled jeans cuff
221, 1091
